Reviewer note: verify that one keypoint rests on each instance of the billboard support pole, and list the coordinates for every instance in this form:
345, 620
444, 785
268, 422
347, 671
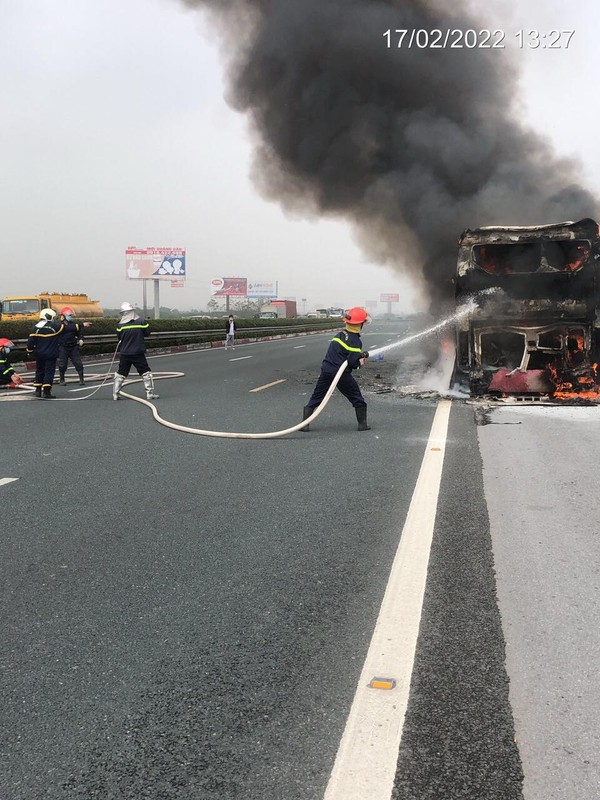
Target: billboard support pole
144, 298
156, 300
227, 304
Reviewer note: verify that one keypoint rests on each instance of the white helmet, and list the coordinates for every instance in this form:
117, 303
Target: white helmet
126, 307
47, 314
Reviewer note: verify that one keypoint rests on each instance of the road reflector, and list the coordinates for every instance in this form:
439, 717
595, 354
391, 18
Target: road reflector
382, 683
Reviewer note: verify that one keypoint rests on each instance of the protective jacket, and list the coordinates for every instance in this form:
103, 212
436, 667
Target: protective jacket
131, 333
44, 339
6, 371
345, 346
73, 331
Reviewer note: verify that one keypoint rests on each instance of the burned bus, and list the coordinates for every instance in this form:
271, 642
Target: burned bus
532, 330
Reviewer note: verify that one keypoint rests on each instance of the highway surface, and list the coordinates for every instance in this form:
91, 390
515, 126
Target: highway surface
188, 617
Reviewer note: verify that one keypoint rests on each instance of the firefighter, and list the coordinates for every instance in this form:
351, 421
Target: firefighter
70, 341
131, 332
345, 346
8, 377
42, 344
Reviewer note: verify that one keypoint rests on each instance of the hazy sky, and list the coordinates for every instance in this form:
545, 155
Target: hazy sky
115, 132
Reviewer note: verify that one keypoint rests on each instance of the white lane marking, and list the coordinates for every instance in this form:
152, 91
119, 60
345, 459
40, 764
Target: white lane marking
365, 764
3, 481
240, 358
299, 346
268, 385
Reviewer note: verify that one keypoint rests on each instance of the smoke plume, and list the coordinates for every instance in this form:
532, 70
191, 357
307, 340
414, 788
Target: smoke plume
410, 145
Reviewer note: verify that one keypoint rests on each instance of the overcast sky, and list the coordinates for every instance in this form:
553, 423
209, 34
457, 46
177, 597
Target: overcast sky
115, 132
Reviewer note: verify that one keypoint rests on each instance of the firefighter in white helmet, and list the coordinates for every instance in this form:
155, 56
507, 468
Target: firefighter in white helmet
131, 333
42, 344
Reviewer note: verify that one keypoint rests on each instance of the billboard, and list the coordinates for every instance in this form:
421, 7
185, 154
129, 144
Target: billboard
155, 263
390, 297
264, 289
232, 287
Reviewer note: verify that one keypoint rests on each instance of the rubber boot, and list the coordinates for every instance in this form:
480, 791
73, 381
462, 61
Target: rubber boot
47, 393
38, 391
118, 382
81, 381
306, 413
149, 386
61, 378
361, 416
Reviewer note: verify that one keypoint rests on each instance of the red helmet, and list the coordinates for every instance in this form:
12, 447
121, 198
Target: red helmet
355, 316
66, 310
6, 343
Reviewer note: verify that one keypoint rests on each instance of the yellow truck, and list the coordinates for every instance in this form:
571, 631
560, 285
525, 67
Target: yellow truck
24, 307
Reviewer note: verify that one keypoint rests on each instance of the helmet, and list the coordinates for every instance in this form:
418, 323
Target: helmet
47, 314
127, 307
356, 316
6, 343
66, 310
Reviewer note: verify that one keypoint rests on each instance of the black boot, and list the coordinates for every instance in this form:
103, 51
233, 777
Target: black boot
47, 394
81, 381
361, 416
38, 391
306, 413
61, 378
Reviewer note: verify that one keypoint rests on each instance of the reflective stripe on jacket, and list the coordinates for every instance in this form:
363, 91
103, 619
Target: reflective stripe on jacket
345, 346
131, 336
44, 340
5, 370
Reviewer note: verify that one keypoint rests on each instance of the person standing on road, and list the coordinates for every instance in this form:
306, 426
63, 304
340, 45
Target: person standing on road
42, 344
230, 333
8, 376
345, 346
131, 333
70, 341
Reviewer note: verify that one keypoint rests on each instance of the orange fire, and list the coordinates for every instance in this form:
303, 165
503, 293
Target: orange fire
584, 388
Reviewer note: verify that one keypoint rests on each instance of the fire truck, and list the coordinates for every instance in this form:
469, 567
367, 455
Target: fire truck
28, 307
531, 301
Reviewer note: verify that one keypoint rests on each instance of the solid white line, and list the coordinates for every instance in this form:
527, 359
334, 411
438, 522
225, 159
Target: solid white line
7, 480
365, 765
241, 358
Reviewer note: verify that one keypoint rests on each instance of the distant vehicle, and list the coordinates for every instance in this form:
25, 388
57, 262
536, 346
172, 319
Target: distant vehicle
279, 309
24, 307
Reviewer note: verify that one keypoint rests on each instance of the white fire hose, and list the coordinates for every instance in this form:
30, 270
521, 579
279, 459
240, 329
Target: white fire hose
232, 435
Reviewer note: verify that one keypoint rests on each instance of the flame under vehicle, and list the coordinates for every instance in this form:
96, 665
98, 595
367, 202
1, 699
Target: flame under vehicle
25, 307
534, 329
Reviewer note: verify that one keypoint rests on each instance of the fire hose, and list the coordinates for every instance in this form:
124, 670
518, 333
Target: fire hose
232, 435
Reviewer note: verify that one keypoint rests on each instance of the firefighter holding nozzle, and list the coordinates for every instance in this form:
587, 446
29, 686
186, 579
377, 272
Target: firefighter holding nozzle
345, 346
8, 376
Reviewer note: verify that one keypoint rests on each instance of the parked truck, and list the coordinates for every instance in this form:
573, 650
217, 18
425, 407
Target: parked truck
279, 309
534, 328
28, 307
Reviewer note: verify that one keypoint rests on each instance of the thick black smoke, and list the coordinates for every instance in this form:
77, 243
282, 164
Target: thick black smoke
410, 145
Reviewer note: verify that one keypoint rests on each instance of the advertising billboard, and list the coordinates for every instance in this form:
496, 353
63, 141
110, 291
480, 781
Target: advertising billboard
234, 287
155, 263
389, 297
265, 289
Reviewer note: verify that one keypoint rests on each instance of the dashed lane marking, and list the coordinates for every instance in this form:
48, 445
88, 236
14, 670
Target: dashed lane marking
4, 481
268, 385
365, 765
299, 346
240, 358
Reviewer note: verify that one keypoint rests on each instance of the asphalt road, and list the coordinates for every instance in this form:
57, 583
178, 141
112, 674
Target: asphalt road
187, 617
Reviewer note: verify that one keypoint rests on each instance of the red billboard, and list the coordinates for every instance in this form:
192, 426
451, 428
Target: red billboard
232, 287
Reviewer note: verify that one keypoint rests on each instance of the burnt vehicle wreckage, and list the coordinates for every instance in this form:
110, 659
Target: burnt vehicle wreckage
534, 329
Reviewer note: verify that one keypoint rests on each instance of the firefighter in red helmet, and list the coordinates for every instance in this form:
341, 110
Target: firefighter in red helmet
8, 377
345, 346
71, 339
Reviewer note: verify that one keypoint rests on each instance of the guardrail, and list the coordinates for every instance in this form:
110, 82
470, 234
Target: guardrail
215, 332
